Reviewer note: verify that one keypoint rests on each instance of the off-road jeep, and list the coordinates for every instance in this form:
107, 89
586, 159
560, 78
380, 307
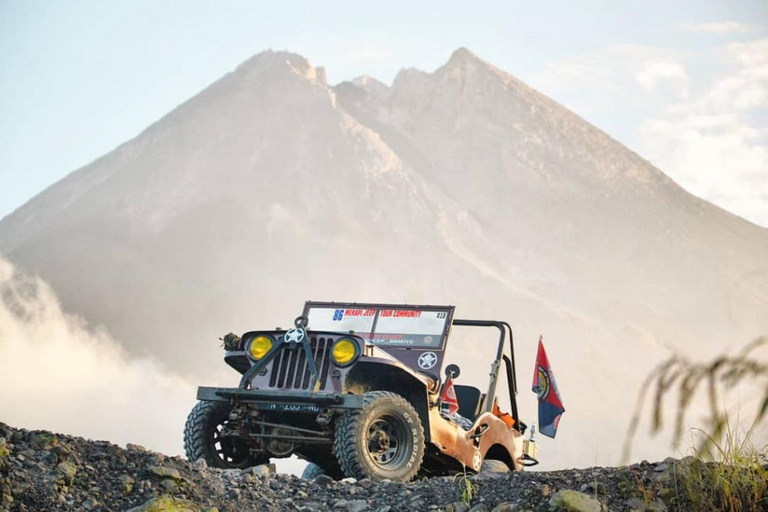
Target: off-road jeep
355, 389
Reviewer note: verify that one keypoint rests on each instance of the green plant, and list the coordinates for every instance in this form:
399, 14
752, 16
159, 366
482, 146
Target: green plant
466, 486
733, 480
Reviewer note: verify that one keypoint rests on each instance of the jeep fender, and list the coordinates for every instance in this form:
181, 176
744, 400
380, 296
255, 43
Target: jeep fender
379, 374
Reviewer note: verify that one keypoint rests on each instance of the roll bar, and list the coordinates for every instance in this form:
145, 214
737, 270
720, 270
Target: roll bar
509, 362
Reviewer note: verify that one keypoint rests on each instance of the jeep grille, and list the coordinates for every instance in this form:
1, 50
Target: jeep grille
291, 371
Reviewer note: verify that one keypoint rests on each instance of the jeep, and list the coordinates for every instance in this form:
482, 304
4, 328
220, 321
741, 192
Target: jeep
356, 390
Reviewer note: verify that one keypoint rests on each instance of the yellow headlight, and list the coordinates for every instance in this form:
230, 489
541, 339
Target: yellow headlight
260, 346
344, 351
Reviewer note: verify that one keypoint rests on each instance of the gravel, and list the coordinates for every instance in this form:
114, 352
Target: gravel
42, 471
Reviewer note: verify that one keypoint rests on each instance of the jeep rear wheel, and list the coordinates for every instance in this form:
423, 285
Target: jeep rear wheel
384, 439
203, 438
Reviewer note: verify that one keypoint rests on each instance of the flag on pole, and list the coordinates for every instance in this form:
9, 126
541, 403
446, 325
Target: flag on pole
550, 404
448, 396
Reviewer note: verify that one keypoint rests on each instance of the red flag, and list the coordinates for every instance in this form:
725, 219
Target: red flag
544, 385
448, 396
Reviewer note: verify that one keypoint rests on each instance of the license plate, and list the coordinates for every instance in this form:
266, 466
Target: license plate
288, 407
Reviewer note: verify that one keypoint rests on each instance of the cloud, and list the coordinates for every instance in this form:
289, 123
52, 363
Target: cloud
718, 28
655, 73
699, 117
58, 374
615, 76
711, 144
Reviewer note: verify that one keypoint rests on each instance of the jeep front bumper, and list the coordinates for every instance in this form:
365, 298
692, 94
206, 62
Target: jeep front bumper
289, 401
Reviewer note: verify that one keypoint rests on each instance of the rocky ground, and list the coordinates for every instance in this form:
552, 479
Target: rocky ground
44, 471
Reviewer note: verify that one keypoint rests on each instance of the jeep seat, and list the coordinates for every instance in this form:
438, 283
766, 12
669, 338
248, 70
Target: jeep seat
470, 400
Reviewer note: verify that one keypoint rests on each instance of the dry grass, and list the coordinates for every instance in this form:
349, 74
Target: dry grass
733, 479
728, 471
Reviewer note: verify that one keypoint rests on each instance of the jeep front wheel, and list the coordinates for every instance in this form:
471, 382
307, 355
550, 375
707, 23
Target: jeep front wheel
384, 439
203, 438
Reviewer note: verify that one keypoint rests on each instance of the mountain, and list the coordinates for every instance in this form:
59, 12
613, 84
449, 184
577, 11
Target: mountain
462, 186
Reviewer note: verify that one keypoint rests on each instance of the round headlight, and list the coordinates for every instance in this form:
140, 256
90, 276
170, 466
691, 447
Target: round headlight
259, 347
343, 351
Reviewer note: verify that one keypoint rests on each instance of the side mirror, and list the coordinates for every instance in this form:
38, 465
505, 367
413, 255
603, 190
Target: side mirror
452, 370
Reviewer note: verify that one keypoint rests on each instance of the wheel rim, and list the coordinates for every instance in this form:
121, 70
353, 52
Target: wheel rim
388, 443
231, 451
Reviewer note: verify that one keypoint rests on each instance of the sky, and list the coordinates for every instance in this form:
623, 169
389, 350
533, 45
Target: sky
684, 84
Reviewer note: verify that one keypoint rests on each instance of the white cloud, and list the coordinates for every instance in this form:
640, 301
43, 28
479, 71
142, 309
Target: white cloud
615, 75
710, 144
701, 128
655, 73
718, 28
58, 374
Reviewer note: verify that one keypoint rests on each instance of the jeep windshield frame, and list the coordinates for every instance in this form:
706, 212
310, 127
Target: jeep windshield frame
386, 326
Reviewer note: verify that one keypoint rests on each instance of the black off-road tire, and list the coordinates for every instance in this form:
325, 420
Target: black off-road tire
202, 439
364, 437
312, 471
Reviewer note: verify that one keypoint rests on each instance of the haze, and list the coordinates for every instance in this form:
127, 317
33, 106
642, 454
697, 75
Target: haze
462, 185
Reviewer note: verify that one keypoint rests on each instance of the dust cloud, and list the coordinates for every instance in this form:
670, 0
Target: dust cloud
58, 373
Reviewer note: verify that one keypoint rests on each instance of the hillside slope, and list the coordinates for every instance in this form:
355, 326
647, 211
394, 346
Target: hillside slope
44, 471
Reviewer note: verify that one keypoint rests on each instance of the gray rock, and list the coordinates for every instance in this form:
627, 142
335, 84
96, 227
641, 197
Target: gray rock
127, 482
504, 507
90, 504
165, 472
573, 501
170, 485
357, 506
67, 470
263, 469
323, 480
638, 505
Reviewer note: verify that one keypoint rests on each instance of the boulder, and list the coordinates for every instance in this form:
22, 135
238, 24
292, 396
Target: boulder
574, 501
